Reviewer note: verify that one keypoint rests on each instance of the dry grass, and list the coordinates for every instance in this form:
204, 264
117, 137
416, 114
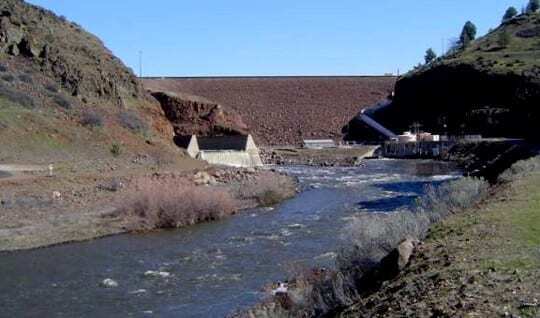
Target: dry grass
172, 203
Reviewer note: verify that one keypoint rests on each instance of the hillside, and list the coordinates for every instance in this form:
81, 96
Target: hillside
284, 110
492, 87
65, 96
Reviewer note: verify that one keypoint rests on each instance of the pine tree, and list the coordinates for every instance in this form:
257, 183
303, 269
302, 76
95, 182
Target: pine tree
430, 56
509, 14
533, 6
468, 34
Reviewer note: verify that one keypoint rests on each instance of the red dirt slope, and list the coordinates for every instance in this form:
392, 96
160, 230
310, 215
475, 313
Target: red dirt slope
284, 110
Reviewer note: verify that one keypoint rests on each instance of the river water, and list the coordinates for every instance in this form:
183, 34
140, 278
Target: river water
214, 268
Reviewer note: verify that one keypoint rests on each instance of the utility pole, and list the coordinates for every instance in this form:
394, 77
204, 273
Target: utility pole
140, 64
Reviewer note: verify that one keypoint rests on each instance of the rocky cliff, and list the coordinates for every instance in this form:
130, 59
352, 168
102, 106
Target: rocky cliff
193, 115
65, 96
491, 88
63, 50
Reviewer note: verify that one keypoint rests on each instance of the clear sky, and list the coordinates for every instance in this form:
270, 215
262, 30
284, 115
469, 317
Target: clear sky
277, 37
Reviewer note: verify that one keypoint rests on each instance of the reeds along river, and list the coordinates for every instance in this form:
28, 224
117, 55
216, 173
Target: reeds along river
214, 268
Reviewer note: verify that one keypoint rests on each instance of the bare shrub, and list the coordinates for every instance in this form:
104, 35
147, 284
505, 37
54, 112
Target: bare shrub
171, 203
91, 119
26, 78
62, 101
269, 190
371, 236
53, 88
451, 197
16, 97
520, 169
132, 121
8, 77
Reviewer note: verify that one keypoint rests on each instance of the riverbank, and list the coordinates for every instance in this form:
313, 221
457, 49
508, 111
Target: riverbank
39, 211
481, 261
484, 262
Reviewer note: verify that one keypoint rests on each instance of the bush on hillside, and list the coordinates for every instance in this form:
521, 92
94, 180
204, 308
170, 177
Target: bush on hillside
132, 121
8, 78
62, 101
26, 78
91, 119
3, 68
17, 97
115, 150
157, 204
374, 235
53, 88
520, 169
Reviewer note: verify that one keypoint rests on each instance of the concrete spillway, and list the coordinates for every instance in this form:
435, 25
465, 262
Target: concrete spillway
232, 158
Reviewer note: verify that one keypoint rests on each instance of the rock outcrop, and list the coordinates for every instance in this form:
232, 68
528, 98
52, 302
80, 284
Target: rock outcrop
64, 51
193, 115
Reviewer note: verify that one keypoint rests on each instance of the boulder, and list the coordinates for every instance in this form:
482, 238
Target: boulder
109, 283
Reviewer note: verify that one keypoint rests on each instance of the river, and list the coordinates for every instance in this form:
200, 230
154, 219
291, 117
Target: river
214, 268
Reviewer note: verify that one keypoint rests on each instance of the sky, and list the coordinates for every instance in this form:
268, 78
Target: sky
277, 37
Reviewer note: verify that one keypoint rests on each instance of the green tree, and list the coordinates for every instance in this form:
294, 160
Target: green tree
468, 34
533, 6
430, 56
510, 13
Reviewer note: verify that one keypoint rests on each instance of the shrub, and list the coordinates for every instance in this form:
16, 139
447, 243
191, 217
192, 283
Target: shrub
504, 39
53, 88
62, 101
17, 97
26, 78
116, 150
374, 235
8, 77
3, 68
451, 197
520, 169
156, 204
269, 190
132, 121
91, 119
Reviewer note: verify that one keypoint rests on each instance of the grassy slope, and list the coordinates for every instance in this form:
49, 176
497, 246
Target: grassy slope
483, 263
489, 54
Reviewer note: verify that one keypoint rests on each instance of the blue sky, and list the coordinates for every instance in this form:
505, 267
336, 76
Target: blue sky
277, 37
